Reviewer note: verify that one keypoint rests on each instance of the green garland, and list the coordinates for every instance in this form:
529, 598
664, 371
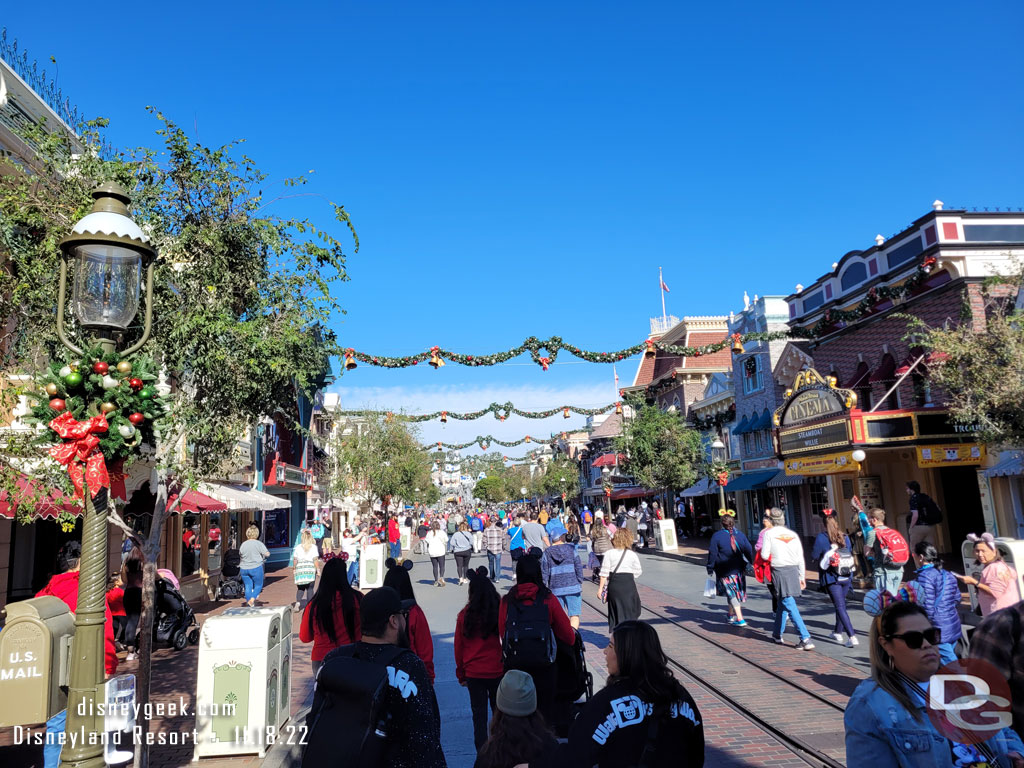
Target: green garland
544, 352
486, 440
501, 411
84, 393
709, 422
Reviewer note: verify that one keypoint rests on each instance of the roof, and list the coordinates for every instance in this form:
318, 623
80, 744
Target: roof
610, 427
645, 371
665, 363
608, 459
1014, 465
720, 359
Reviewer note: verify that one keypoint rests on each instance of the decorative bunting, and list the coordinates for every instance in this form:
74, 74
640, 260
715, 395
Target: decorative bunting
501, 411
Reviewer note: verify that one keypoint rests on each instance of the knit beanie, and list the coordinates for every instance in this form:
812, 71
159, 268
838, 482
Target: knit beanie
516, 694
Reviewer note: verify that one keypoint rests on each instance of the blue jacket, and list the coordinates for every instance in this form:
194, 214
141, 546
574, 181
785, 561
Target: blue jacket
880, 733
722, 560
939, 594
821, 546
562, 569
475, 524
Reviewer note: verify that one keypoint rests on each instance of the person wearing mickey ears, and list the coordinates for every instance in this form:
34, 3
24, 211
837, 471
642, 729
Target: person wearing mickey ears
414, 735
888, 720
420, 640
826, 553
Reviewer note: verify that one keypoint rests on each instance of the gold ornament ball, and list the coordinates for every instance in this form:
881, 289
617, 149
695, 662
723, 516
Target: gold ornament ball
51, 389
124, 367
108, 407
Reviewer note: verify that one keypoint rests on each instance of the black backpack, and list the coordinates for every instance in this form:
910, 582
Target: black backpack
931, 513
529, 640
348, 716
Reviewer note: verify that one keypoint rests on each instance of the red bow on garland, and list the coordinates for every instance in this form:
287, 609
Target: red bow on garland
79, 454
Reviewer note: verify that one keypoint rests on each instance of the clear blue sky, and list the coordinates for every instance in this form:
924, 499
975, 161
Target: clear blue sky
525, 168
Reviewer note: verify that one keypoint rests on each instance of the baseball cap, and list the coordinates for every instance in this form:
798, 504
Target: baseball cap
555, 530
379, 605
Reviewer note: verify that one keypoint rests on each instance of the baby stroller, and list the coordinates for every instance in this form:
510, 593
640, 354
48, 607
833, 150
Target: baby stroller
231, 586
574, 681
175, 622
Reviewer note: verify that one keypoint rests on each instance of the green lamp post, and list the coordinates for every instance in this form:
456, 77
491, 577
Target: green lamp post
718, 457
109, 252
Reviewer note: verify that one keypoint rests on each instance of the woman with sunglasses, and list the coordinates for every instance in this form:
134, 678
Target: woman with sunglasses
887, 718
729, 551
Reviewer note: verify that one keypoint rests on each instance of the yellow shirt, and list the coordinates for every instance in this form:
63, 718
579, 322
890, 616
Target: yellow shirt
543, 517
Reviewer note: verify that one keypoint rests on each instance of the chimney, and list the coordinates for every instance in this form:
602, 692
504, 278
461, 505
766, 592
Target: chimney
937, 205
879, 240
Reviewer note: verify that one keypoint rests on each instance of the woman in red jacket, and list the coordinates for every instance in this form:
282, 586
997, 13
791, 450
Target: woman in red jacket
331, 618
522, 653
478, 664
420, 641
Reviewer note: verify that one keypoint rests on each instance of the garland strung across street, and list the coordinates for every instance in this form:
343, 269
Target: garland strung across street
544, 352
484, 442
501, 412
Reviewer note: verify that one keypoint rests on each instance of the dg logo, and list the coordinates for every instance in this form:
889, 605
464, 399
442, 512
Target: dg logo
969, 701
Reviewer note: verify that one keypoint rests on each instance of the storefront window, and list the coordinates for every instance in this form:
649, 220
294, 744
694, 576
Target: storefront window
189, 546
817, 488
275, 528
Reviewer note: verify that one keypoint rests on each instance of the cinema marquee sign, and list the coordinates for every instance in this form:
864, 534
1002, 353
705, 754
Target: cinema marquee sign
803, 418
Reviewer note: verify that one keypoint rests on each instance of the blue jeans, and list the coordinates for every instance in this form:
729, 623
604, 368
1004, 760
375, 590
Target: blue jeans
946, 653
51, 749
353, 571
253, 580
494, 563
838, 592
787, 608
396, 549
888, 580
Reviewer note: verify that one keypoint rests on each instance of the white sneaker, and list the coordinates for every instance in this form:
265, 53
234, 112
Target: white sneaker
130, 657
852, 642
838, 637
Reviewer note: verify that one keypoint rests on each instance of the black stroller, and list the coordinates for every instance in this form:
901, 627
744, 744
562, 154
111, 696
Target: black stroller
574, 682
231, 586
175, 622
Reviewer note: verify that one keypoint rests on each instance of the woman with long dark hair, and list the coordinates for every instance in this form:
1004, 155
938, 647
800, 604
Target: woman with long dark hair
519, 733
638, 675
420, 641
888, 720
834, 556
478, 665
131, 579
516, 614
331, 618
729, 551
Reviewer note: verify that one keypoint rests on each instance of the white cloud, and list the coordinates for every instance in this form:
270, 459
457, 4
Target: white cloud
462, 399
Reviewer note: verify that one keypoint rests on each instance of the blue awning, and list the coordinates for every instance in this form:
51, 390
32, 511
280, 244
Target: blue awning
751, 481
743, 427
1013, 465
763, 422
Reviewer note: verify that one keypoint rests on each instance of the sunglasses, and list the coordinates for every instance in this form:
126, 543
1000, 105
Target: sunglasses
914, 640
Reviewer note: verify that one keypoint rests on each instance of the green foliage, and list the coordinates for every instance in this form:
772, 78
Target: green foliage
491, 489
559, 468
382, 457
983, 369
661, 451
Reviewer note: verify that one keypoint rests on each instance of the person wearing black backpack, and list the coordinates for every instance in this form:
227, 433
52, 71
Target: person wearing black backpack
924, 516
374, 705
834, 556
530, 621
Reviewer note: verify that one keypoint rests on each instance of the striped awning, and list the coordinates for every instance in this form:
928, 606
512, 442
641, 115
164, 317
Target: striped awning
1011, 465
195, 502
701, 488
782, 480
241, 497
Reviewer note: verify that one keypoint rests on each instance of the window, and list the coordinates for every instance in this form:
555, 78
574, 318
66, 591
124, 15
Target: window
855, 275
817, 488
994, 233
904, 253
753, 378
814, 301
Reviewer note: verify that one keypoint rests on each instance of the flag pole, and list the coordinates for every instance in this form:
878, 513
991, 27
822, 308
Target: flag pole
661, 289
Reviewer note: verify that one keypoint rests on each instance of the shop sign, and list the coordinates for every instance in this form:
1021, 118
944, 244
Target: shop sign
959, 454
828, 464
813, 397
761, 464
869, 491
940, 425
830, 434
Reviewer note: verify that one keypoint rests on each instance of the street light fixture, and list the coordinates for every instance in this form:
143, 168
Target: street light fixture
110, 252
718, 457
606, 473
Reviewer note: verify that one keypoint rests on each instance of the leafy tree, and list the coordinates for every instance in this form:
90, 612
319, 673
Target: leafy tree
491, 489
559, 468
662, 452
982, 368
242, 298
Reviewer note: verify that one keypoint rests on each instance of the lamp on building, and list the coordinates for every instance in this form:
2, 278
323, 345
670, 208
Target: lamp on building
718, 457
858, 455
109, 251
523, 492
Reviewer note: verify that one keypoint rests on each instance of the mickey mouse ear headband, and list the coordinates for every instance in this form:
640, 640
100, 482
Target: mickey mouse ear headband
986, 537
827, 512
727, 512
392, 563
876, 602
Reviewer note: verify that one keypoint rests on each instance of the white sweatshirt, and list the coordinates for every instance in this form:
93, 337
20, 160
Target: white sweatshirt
783, 546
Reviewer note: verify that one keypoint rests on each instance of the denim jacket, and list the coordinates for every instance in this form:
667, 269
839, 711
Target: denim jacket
880, 733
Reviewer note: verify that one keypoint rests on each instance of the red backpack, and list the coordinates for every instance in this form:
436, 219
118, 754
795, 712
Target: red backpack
895, 550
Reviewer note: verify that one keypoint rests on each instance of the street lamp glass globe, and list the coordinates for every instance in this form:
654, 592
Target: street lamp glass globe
858, 455
106, 288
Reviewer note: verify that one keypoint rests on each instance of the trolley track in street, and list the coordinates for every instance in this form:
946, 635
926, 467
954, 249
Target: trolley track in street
800, 748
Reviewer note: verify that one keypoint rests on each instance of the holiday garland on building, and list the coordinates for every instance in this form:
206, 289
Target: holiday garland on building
98, 410
501, 411
714, 421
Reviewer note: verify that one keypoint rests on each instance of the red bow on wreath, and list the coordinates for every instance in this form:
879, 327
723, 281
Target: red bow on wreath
79, 453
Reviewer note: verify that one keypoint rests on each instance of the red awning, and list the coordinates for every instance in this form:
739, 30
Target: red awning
886, 370
860, 377
48, 504
196, 502
631, 493
608, 460
932, 358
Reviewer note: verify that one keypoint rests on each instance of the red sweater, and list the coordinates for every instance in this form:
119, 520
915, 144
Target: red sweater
420, 641
115, 601
322, 644
476, 657
65, 586
526, 594
393, 533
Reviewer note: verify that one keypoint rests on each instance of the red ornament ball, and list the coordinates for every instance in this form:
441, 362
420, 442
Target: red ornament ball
135, 384
100, 367
57, 404
136, 418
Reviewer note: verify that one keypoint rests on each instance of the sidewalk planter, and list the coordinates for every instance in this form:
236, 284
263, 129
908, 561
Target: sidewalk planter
244, 682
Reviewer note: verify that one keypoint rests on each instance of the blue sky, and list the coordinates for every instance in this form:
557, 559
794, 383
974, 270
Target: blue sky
519, 169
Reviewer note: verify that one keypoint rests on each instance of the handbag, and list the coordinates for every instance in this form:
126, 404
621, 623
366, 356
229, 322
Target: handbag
710, 587
305, 572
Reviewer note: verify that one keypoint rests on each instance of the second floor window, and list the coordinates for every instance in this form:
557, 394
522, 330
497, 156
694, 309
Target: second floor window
752, 374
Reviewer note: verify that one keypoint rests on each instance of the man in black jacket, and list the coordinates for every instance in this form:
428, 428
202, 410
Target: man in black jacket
924, 516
